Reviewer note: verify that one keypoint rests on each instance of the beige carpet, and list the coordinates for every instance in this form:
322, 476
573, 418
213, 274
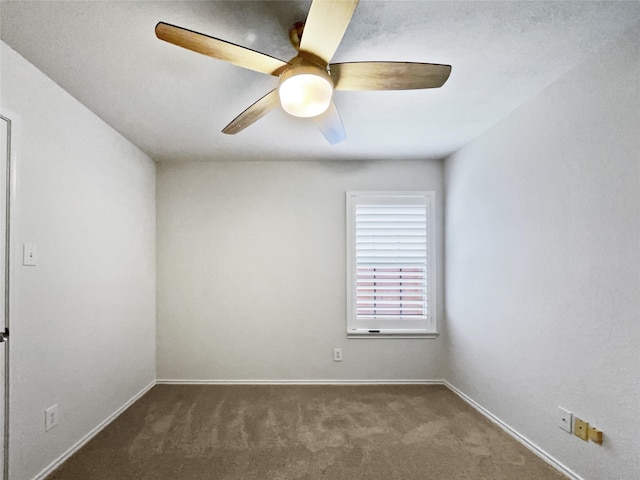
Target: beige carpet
302, 432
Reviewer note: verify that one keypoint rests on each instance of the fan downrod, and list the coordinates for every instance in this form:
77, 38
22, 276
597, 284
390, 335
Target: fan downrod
295, 34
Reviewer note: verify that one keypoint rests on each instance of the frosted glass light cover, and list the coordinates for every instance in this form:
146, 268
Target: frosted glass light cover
305, 94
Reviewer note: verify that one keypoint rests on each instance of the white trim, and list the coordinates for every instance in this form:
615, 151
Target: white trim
15, 262
368, 335
516, 435
168, 381
97, 429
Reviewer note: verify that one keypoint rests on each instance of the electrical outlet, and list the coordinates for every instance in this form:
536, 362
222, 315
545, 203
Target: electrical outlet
337, 354
565, 419
581, 429
51, 417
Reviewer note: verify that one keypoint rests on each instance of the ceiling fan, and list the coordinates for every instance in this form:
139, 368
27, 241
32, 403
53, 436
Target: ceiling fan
307, 81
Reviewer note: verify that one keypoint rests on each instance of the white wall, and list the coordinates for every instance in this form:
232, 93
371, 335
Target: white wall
251, 272
543, 264
84, 332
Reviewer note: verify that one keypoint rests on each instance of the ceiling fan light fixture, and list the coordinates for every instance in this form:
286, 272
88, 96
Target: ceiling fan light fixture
305, 91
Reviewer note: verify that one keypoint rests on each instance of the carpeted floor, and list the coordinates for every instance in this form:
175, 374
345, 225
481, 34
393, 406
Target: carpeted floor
199, 432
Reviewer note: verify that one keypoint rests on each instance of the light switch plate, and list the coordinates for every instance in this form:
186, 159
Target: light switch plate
565, 419
29, 255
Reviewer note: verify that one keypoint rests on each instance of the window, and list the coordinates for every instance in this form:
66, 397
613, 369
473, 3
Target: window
391, 264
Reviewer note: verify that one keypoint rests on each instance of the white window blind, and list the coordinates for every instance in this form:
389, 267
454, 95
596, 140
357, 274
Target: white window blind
390, 248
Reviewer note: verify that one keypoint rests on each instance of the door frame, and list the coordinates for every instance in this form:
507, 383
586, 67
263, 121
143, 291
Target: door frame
13, 265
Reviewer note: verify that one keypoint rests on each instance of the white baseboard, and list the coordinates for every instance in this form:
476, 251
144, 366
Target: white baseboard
302, 382
516, 435
80, 443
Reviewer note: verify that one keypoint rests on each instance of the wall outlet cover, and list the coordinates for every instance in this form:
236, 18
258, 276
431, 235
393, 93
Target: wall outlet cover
565, 419
337, 354
51, 417
595, 435
581, 429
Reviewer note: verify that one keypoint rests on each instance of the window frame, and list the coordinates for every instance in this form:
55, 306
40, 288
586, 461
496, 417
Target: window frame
427, 327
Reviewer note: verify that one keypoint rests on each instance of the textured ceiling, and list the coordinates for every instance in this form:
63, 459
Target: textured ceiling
172, 103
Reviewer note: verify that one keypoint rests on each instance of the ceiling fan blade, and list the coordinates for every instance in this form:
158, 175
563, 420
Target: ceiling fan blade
325, 26
330, 124
220, 49
388, 75
254, 113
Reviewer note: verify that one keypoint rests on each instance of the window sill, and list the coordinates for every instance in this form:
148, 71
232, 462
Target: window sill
365, 334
